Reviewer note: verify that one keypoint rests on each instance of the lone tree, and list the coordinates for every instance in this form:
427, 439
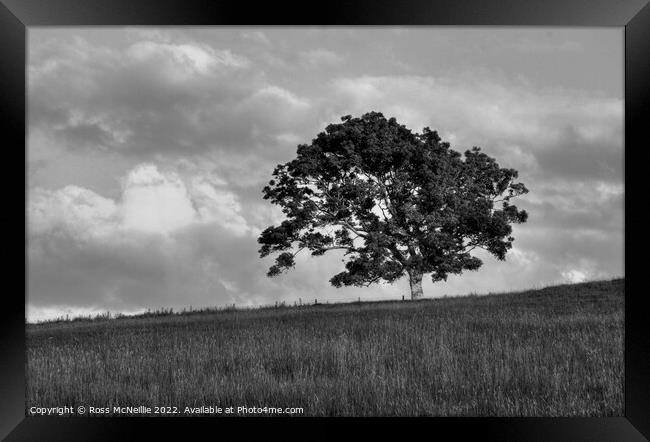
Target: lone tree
395, 201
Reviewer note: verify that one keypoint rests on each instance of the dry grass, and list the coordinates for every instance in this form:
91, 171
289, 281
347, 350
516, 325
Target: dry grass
551, 352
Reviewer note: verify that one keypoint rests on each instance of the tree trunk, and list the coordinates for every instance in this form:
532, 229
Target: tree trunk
415, 279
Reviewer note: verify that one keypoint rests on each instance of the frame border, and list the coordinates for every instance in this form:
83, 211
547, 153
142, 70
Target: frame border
634, 15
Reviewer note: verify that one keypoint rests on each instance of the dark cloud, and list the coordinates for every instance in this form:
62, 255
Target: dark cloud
575, 157
605, 217
154, 97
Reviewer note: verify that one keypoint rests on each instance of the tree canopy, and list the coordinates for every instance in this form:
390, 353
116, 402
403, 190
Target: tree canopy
396, 202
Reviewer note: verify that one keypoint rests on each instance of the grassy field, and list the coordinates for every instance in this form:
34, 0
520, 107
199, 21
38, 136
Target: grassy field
557, 351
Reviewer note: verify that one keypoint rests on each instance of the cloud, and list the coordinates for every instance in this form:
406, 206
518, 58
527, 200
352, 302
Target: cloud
157, 95
180, 237
89, 251
180, 62
171, 240
574, 276
316, 58
269, 110
536, 45
156, 203
546, 132
257, 37
152, 202
566, 145
91, 215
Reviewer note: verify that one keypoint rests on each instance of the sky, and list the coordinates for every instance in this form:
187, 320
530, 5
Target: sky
148, 149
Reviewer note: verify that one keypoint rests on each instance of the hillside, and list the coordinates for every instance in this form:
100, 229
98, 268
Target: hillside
556, 351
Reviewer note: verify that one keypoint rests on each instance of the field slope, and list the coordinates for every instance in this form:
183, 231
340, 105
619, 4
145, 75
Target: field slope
557, 351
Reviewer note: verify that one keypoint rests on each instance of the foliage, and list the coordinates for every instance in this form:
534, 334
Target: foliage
394, 201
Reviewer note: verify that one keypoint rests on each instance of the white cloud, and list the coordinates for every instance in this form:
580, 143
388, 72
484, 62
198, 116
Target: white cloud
155, 203
72, 208
181, 61
217, 204
363, 92
607, 191
152, 202
277, 98
168, 240
574, 276
523, 258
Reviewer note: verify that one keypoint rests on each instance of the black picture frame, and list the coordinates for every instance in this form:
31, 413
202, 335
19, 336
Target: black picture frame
17, 15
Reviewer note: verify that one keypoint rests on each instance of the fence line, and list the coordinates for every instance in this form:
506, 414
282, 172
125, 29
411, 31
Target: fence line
169, 311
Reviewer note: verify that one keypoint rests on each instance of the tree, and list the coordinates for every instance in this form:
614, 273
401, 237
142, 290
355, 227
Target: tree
396, 202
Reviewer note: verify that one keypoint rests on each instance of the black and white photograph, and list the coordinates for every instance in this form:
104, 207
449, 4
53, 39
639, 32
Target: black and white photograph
325, 221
